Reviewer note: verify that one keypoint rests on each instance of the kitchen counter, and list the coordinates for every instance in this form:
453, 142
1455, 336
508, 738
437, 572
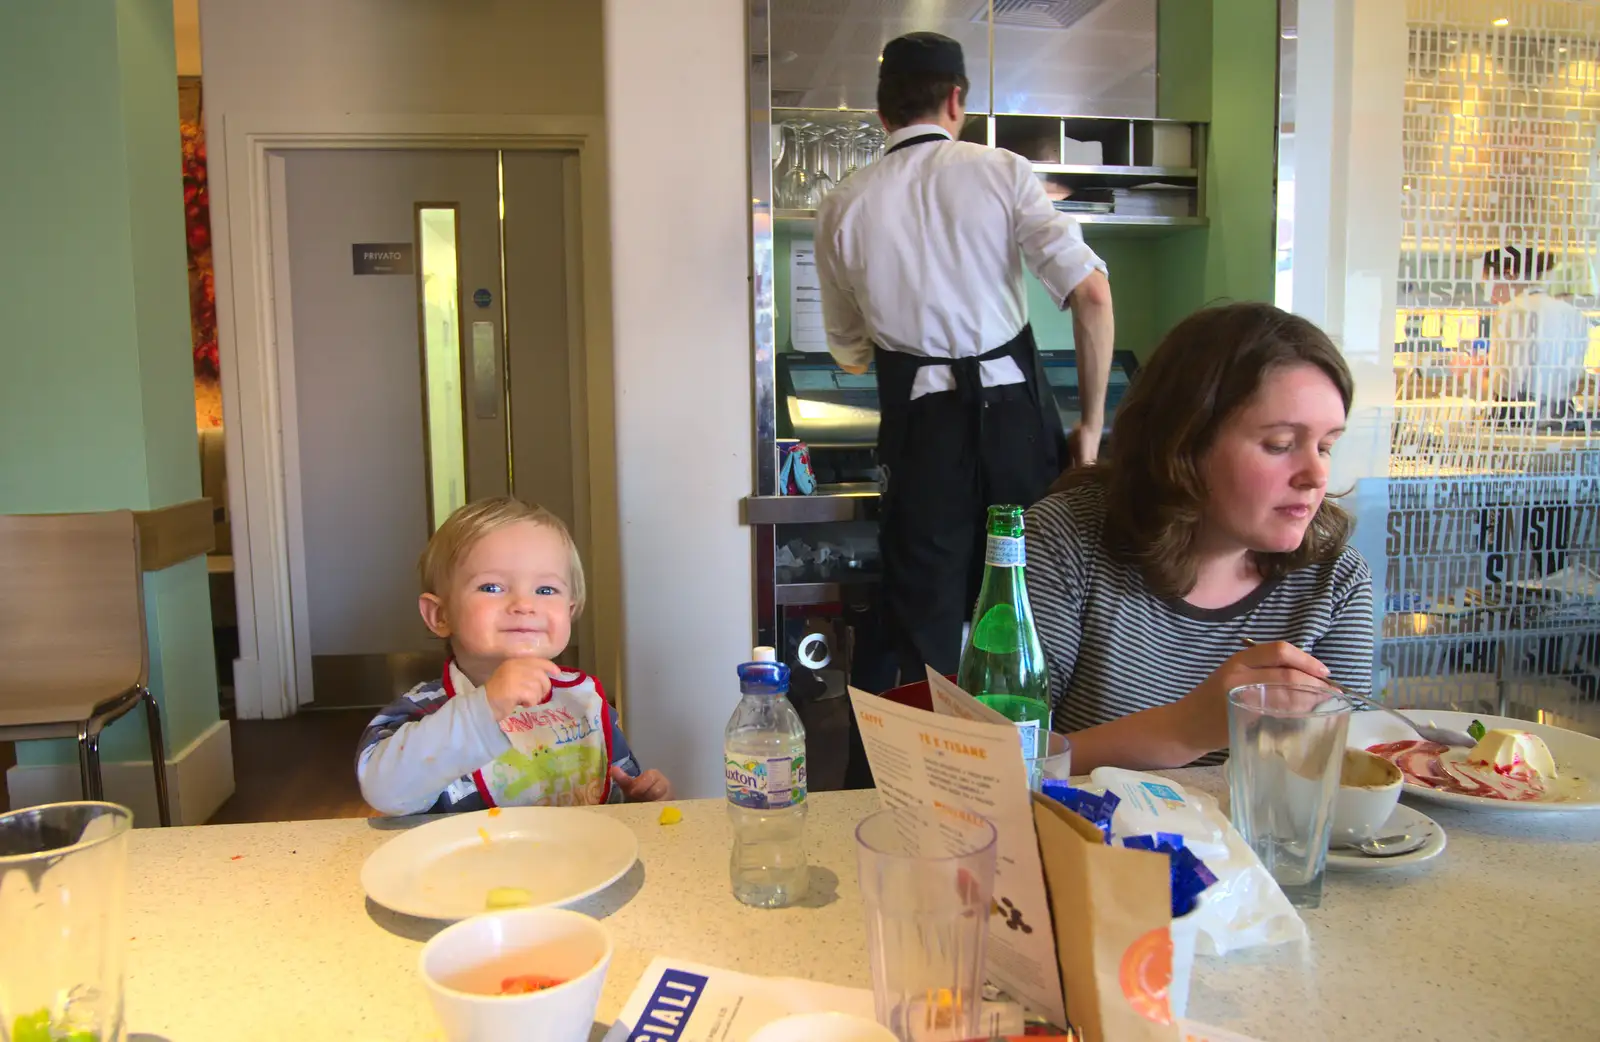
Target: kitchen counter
261, 932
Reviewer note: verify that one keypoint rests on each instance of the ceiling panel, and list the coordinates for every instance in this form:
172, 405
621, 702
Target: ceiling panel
826, 51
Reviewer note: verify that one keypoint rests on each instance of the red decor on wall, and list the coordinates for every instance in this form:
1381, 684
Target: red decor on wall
197, 228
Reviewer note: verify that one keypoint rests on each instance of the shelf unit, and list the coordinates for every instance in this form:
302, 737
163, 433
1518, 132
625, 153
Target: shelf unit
1088, 159
1120, 225
1133, 152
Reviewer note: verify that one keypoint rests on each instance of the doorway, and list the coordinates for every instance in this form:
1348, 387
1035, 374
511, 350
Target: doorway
427, 356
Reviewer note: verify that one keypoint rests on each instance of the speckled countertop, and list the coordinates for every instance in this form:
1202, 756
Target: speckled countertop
261, 932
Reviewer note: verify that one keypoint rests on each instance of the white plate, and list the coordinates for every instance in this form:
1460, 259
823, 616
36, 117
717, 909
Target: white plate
1575, 755
1404, 819
446, 868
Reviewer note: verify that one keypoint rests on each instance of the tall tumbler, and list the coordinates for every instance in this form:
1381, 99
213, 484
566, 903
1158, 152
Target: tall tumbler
927, 878
1286, 748
63, 887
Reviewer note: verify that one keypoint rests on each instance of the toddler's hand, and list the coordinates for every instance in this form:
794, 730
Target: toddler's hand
517, 683
650, 787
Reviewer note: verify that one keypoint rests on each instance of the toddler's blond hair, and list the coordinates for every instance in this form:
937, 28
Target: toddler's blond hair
463, 529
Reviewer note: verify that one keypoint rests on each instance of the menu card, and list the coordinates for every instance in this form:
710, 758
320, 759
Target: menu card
681, 1001
968, 755
677, 1000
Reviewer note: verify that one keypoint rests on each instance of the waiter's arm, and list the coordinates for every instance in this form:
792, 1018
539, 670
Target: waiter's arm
841, 316
1093, 334
1053, 248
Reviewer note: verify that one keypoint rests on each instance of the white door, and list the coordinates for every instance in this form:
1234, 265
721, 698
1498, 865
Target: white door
431, 365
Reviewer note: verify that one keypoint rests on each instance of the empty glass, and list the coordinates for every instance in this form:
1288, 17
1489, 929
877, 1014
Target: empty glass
63, 884
1287, 746
1057, 766
927, 879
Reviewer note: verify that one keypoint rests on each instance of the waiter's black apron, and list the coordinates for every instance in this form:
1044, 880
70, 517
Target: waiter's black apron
948, 457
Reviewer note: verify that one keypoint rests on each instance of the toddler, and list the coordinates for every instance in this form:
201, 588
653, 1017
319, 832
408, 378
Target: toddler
505, 725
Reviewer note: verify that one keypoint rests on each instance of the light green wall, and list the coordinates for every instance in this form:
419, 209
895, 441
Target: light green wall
96, 386
1231, 259
1135, 289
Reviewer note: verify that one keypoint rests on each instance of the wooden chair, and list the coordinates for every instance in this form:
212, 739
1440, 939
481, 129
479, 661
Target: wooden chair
72, 636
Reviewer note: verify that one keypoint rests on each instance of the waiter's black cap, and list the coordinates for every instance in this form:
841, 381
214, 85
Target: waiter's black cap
922, 53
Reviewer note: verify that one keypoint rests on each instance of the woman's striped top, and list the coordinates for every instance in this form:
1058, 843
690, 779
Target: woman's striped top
1114, 647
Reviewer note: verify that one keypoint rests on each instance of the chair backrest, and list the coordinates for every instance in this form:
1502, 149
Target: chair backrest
917, 695
72, 600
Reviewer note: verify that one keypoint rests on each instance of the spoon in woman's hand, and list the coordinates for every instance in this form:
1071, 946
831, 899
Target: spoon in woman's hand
1427, 732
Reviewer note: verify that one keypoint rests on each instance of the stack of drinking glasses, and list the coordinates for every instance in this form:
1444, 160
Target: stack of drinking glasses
811, 155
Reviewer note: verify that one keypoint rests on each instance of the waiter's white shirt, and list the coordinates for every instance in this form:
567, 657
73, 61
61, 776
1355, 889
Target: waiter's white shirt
1537, 347
922, 252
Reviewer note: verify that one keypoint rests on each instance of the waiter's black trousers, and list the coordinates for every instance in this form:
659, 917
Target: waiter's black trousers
951, 467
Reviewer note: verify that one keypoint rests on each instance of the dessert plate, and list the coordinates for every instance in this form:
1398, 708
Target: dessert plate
1577, 759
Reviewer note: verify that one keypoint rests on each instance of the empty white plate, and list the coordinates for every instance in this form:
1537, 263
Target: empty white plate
446, 868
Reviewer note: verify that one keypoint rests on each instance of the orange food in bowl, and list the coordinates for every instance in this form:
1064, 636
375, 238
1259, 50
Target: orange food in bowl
526, 983
1147, 974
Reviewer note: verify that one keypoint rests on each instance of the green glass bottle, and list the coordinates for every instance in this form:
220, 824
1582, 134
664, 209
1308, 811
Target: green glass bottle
1002, 665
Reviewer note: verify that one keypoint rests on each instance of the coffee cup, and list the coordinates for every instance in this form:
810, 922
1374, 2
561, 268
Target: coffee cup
1369, 788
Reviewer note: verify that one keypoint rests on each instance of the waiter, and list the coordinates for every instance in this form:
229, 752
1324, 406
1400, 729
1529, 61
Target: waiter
1539, 342
920, 258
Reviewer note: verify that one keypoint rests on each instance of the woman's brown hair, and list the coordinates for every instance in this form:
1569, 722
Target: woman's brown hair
1206, 369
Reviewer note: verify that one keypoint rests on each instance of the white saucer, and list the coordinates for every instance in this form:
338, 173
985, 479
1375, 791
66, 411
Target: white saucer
1404, 819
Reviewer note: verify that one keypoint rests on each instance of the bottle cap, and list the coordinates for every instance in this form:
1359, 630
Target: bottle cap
764, 676
764, 655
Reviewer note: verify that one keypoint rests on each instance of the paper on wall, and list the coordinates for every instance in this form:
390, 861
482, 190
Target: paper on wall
806, 331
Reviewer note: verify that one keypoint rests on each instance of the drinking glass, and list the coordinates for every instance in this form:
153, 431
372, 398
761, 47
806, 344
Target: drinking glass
927, 878
818, 183
1287, 746
857, 145
834, 151
63, 884
1056, 766
791, 181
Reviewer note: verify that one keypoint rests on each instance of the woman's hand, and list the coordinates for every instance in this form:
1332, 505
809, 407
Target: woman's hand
1205, 708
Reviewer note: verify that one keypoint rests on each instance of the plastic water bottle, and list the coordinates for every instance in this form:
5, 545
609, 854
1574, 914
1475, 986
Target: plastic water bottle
764, 758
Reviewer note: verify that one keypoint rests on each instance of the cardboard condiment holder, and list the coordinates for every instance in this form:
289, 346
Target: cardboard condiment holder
1111, 911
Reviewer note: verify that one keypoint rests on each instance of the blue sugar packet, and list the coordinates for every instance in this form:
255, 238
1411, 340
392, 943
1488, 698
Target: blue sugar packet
1190, 876
1094, 807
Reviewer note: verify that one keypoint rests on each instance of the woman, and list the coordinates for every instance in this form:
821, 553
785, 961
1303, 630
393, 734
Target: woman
1208, 524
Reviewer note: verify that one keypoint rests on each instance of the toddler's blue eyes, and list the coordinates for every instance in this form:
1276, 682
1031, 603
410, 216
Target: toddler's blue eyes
548, 591
491, 588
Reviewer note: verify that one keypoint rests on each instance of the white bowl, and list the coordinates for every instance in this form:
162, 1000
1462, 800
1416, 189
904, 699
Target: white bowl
824, 1027
463, 966
1369, 788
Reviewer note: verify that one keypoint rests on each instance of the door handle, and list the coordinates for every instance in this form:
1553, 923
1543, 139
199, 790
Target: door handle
485, 372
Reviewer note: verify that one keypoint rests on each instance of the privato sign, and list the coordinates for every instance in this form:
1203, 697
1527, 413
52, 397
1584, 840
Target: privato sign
382, 258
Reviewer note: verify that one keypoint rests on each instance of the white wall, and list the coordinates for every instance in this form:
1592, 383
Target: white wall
680, 216
1348, 114
1349, 108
